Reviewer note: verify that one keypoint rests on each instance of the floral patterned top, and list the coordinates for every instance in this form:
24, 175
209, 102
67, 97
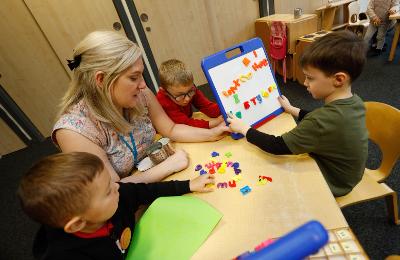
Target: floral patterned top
121, 156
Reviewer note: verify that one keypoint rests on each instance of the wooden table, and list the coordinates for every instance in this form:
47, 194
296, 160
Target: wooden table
298, 193
396, 36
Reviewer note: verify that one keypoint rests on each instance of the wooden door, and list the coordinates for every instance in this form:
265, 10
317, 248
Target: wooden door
36, 39
9, 141
65, 23
191, 30
31, 72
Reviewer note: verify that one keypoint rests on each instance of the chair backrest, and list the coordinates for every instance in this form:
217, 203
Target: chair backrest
383, 124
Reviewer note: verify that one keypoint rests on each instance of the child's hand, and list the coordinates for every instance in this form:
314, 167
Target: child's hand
215, 121
376, 21
178, 161
237, 125
294, 111
392, 12
285, 103
199, 183
219, 131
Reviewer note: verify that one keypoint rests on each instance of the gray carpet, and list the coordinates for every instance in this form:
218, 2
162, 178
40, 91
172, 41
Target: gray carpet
380, 81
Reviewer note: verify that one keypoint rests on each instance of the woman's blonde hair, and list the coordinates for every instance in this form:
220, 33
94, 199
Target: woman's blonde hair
110, 53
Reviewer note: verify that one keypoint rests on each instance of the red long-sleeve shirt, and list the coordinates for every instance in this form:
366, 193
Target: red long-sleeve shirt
182, 114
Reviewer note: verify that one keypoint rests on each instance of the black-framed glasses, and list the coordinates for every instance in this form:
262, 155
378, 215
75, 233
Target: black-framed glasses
181, 97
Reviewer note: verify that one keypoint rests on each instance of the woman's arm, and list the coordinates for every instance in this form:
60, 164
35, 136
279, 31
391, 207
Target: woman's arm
70, 141
178, 132
176, 162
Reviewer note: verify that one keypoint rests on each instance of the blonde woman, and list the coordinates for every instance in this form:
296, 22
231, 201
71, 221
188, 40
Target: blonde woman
109, 111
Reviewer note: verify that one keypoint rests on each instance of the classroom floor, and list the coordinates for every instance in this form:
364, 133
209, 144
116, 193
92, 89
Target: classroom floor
380, 81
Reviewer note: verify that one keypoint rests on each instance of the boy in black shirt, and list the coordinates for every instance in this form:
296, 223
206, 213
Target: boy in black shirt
85, 215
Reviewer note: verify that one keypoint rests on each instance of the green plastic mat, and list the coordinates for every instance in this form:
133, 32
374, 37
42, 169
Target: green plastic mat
173, 228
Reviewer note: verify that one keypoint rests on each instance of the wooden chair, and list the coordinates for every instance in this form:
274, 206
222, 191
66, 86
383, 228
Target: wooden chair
383, 123
393, 257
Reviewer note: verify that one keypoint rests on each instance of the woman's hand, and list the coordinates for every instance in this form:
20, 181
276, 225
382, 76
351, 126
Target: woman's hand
294, 111
178, 161
219, 131
237, 125
199, 183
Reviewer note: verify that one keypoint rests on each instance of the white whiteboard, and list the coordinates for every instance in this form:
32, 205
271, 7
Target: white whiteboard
249, 91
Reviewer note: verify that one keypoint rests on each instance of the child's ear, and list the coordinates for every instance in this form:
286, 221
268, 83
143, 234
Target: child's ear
340, 78
74, 225
99, 76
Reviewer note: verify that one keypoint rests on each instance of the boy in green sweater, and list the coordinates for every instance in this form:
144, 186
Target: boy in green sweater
335, 135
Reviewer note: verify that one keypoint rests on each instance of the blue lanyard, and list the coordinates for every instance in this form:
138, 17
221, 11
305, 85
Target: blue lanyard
132, 148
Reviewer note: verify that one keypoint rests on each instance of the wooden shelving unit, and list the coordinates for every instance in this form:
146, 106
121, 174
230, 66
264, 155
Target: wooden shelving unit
329, 12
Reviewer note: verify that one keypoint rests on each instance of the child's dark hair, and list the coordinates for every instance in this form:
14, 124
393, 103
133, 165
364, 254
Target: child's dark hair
341, 51
55, 189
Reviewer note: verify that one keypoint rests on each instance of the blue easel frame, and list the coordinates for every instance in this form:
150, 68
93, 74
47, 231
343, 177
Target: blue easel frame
220, 58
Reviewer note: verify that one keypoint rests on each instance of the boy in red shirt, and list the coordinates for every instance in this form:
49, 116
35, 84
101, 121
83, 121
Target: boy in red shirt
178, 93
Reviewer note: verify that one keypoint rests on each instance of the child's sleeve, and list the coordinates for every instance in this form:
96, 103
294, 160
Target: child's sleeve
302, 114
202, 103
176, 113
304, 137
269, 143
136, 194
